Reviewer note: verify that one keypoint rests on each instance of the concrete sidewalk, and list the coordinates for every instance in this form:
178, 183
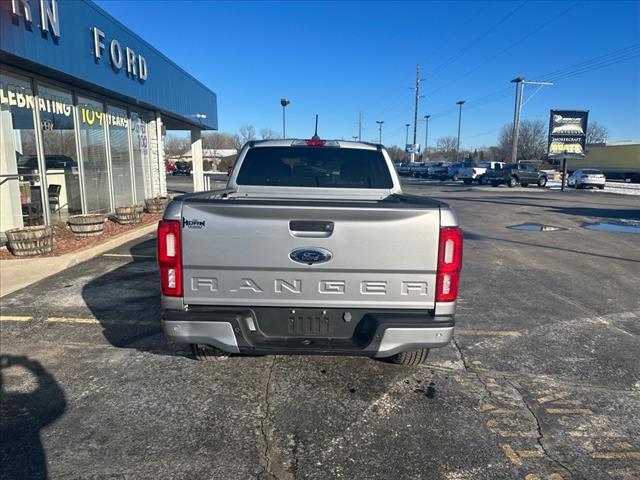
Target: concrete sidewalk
19, 273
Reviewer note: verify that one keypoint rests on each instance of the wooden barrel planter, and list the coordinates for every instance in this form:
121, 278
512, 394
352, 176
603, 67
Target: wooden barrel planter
88, 225
30, 241
129, 214
156, 204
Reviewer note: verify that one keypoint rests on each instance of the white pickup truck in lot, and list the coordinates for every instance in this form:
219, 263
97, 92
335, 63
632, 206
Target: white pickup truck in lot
477, 172
312, 248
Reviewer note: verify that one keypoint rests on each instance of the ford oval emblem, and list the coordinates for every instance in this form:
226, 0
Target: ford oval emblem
311, 255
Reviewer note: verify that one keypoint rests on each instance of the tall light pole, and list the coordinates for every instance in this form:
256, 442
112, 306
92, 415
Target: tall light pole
460, 103
426, 134
415, 109
520, 83
516, 117
406, 136
380, 122
284, 102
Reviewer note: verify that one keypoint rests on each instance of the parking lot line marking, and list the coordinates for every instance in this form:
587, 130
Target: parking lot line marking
511, 454
615, 455
72, 320
127, 255
488, 333
567, 402
569, 411
530, 453
15, 318
593, 434
623, 445
494, 422
551, 398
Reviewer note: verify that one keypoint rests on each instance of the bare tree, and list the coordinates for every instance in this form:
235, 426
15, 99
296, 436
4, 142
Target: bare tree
175, 146
219, 141
446, 147
268, 134
597, 133
397, 154
247, 133
532, 140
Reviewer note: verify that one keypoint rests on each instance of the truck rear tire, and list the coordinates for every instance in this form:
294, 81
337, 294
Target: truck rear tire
207, 353
412, 358
542, 181
513, 182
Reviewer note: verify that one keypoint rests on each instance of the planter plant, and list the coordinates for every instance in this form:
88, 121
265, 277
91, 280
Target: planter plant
129, 214
156, 204
30, 241
88, 225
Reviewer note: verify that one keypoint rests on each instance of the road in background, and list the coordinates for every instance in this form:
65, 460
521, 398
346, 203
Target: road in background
542, 381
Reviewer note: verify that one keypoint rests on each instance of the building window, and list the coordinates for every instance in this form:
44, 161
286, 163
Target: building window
20, 192
59, 144
120, 160
141, 157
94, 155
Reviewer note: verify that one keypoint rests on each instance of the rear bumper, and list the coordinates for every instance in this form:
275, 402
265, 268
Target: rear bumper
379, 333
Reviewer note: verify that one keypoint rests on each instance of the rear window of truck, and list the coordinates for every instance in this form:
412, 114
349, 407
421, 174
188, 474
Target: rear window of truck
326, 167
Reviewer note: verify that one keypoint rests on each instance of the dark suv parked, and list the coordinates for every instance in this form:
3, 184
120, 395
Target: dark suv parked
513, 174
182, 168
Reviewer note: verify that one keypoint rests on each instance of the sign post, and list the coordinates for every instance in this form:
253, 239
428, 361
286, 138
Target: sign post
567, 136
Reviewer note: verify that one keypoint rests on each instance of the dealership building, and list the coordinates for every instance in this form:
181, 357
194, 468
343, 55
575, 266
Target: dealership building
84, 104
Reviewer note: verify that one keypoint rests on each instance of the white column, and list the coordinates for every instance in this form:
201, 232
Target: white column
162, 171
196, 158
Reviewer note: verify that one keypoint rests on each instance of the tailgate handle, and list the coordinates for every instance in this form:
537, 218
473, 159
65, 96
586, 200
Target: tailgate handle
311, 228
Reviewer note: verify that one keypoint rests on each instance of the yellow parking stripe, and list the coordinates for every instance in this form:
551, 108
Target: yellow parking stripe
15, 318
569, 411
488, 333
615, 455
72, 320
511, 455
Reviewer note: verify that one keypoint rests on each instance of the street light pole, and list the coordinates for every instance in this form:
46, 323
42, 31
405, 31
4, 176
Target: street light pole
516, 117
380, 122
284, 102
406, 136
460, 103
426, 134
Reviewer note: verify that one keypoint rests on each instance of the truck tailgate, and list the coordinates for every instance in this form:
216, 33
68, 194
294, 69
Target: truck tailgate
238, 253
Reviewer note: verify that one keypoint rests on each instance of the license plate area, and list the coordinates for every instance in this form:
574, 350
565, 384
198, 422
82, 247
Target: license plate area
306, 322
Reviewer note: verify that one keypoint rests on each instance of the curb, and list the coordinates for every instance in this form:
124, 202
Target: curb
17, 274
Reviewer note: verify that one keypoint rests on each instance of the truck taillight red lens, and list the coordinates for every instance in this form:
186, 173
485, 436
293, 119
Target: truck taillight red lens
169, 258
449, 264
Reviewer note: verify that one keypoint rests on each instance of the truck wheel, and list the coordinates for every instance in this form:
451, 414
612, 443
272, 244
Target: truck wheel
455, 178
542, 181
207, 353
513, 181
467, 181
412, 358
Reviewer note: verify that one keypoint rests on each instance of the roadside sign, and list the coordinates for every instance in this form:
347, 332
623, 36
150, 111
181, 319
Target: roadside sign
412, 148
567, 132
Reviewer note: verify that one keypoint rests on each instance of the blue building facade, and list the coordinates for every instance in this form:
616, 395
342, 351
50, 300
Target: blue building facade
84, 103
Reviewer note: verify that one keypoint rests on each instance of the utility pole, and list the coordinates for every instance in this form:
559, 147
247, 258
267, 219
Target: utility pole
284, 102
519, 81
460, 103
415, 109
380, 122
426, 135
359, 126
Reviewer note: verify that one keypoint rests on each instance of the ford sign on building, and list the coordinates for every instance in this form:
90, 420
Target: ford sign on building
84, 103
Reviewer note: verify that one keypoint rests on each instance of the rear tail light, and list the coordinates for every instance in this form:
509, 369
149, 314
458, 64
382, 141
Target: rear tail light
169, 257
449, 264
474, 171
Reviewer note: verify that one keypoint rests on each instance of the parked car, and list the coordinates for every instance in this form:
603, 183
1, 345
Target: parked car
513, 174
587, 177
169, 167
477, 173
419, 170
322, 278
404, 169
438, 170
182, 168
453, 171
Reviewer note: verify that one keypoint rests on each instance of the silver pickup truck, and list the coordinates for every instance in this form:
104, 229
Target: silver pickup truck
312, 248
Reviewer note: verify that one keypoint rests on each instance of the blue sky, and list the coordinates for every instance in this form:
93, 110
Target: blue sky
340, 58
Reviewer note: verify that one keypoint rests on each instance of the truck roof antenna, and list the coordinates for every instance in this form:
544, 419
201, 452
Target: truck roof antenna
315, 135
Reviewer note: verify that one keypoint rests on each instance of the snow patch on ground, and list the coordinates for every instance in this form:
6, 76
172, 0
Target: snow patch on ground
610, 187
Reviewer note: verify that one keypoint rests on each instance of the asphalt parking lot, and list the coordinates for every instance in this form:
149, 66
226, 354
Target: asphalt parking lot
541, 383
